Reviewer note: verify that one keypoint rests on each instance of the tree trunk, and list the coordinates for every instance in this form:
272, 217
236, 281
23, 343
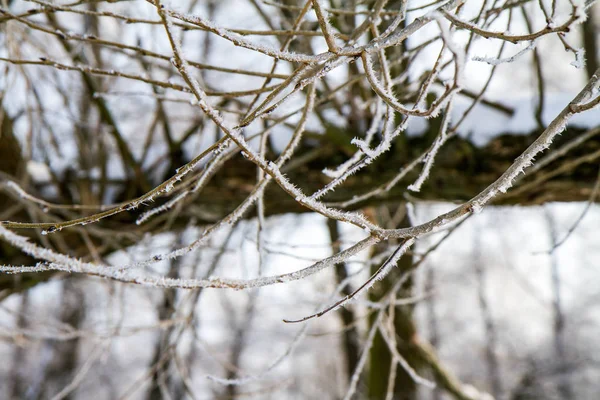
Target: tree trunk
380, 363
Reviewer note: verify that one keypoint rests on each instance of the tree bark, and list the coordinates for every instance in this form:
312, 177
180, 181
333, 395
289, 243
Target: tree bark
380, 363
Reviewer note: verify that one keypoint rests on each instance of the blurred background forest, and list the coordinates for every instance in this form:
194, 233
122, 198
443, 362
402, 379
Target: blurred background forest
332, 199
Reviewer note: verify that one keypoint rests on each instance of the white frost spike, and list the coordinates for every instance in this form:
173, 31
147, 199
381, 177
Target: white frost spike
580, 13
356, 157
364, 147
330, 173
165, 207
498, 61
438, 143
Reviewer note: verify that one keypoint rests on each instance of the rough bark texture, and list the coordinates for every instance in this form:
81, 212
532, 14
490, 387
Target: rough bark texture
405, 387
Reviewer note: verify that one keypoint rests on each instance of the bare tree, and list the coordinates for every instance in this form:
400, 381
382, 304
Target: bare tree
124, 121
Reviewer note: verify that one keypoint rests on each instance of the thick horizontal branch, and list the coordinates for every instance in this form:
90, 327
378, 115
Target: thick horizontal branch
461, 171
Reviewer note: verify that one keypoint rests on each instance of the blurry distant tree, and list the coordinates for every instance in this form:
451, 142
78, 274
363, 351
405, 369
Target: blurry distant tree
114, 126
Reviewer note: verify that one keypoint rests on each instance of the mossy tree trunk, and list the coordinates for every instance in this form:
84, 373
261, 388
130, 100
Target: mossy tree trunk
381, 359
